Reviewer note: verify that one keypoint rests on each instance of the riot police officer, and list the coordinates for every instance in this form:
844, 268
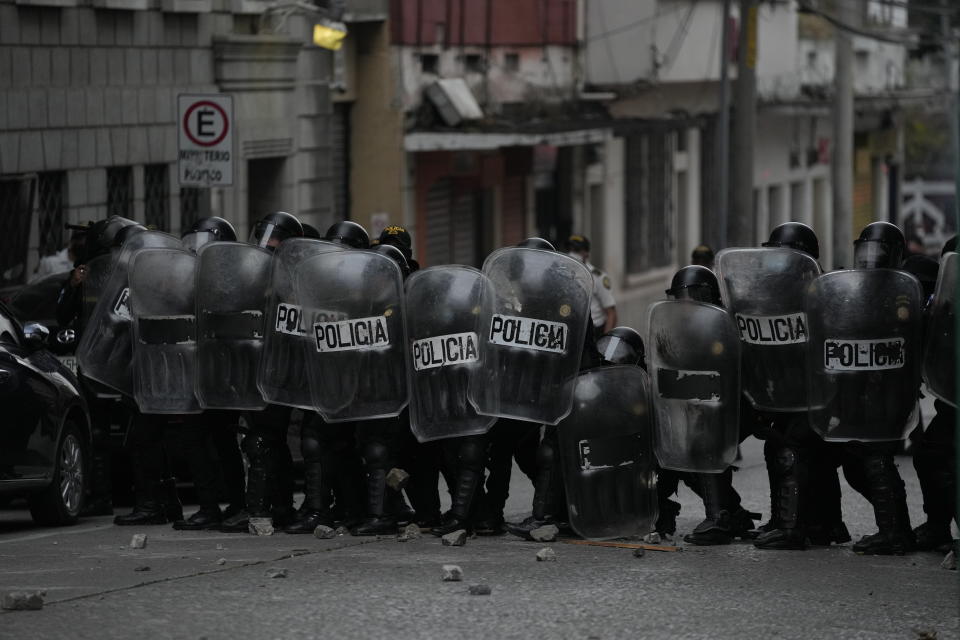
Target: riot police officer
549, 504
210, 438
934, 448
804, 487
725, 518
269, 490
333, 474
869, 467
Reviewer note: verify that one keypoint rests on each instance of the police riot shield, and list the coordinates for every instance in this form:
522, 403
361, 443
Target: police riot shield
940, 363
531, 336
695, 370
763, 290
443, 350
232, 282
353, 309
162, 284
283, 377
98, 272
863, 356
105, 352
606, 451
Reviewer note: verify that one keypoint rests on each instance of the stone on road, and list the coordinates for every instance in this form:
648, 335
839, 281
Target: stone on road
138, 541
457, 538
22, 601
546, 555
452, 573
546, 533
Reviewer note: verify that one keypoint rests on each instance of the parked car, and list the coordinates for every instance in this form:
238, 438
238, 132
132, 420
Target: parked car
45, 434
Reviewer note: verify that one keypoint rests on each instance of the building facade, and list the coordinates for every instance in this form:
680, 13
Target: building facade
89, 119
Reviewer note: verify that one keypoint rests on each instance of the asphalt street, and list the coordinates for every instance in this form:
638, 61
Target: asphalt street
213, 585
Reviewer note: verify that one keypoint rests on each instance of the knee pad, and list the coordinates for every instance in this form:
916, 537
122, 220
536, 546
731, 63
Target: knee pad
472, 453
376, 455
786, 459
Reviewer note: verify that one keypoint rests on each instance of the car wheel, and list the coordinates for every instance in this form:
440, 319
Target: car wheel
60, 503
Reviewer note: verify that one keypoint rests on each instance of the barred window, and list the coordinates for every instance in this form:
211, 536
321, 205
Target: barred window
649, 206
120, 191
50, 211
194, 204
16, 204
156, 196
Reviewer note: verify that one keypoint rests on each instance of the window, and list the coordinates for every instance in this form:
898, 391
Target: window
120, 191
156, 197
474, 63
50, 205
16, 204
649, 207
511, 62
429, 63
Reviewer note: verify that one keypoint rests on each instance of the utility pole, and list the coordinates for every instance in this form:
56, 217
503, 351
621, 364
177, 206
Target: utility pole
723, 133
741, 221
841, 167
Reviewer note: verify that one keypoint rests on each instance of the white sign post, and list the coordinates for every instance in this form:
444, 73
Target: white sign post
205, 140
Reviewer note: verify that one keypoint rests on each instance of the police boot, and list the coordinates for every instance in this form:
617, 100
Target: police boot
259, 477
468, 480
377, 522
715, 529
770, 458
825, 524
314, 511
172, 508
281, 499
938, 486
788, 479
149, 504
546, 493
889, 500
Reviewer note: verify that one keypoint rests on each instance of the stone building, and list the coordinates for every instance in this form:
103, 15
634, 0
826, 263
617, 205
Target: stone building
88, 115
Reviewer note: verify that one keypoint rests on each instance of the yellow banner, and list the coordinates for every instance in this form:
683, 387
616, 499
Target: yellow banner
329, 36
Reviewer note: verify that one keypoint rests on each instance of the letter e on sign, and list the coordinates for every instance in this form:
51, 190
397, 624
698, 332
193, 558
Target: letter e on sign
205, 140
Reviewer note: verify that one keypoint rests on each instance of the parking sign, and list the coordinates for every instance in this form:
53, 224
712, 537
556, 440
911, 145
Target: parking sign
205, 140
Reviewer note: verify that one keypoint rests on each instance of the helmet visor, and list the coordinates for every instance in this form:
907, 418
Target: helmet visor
267, 235
872, 254
617, 350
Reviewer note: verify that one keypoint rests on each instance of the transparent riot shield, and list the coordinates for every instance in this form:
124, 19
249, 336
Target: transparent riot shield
864, 354
443, 350
232, 282
695, 369
606, 452
105, 352
98, 273
283, 377
763, 290
940, 361
531, 336
162, 283
353, 308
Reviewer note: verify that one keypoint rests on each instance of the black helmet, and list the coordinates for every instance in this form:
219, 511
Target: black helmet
578, 243
622, 345
695, 282
925, 269
394, 254
100, 235
397, 236
702, 255
949, 245
795, 235
125, 232
536, 243
348, 233
880, 246
208, 229
310, 231
274, 228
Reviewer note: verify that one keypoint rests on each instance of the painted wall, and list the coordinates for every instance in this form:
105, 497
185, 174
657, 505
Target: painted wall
483, 22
